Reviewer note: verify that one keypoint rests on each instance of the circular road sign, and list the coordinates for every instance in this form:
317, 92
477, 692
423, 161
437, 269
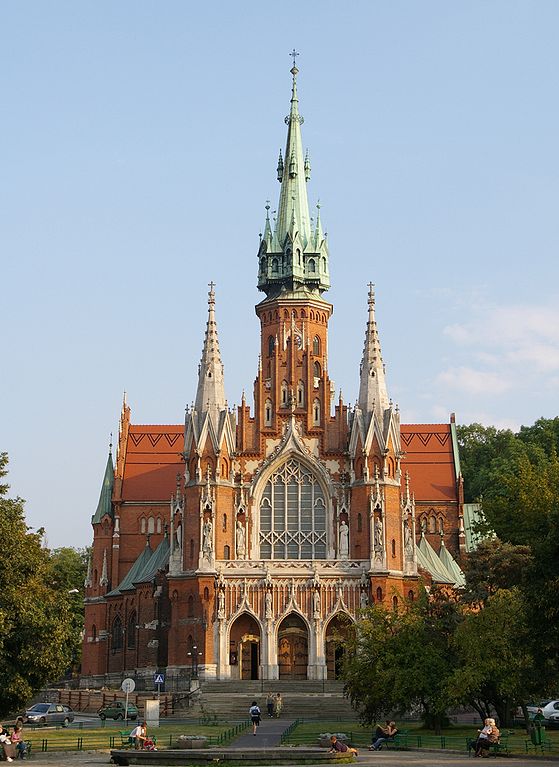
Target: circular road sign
128, 685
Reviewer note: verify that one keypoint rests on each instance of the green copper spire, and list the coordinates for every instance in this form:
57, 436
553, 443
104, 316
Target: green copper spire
294, 256
105, 506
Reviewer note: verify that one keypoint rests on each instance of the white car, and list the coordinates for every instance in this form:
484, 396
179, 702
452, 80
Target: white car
550, 710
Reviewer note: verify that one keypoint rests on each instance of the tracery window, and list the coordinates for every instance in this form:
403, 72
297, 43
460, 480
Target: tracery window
292, 515
116, 634
131, 633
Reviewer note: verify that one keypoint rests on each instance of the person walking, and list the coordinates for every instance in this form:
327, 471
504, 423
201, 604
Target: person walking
270, 704
254, 712
278, 705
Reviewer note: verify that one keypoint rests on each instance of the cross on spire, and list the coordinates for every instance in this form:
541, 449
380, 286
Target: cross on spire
293, 55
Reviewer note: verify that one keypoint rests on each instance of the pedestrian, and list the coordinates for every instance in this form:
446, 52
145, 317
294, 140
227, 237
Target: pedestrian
270, 704
278, 705
254, 712
6, 744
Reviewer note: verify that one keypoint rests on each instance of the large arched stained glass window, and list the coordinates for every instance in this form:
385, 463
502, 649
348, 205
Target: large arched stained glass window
292, 515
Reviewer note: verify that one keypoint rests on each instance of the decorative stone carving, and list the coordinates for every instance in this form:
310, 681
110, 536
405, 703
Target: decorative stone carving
343, 545
240, 540
268, 609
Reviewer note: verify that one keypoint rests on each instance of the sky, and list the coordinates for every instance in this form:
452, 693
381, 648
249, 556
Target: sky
139, 146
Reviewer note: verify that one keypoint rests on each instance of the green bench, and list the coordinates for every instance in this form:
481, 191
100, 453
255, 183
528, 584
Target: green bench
500, 747
399, 742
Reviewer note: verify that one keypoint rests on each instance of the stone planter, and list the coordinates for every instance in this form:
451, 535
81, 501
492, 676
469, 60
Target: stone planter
191, 741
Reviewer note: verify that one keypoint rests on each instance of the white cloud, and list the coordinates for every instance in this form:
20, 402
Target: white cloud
472, 381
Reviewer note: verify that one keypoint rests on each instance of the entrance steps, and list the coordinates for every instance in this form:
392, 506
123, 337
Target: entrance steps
301, 699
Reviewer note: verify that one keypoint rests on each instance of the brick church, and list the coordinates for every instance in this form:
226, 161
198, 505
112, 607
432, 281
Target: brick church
238, 544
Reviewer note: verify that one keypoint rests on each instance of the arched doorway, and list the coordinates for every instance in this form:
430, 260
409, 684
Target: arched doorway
293, 652
244, 648
335, 633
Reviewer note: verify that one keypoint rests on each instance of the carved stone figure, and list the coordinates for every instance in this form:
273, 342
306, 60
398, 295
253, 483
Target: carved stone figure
316, 604
268, 612
207, 544
343, 546
221, 605
240, 540
363, 600
178, 534
408, 542
378, 534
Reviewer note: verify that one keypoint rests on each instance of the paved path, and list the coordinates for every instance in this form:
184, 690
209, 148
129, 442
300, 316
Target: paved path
268, 734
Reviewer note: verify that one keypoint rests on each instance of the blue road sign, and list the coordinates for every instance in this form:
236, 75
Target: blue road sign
159, 678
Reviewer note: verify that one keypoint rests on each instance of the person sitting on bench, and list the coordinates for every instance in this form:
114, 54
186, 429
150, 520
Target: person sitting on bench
383, 734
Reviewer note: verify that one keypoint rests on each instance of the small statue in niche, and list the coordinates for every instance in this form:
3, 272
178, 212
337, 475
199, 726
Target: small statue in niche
316, 604
207, 544
363, 600
343, 546
178, 533
221, 605
240, 540
379, 545
268, 611
408, 541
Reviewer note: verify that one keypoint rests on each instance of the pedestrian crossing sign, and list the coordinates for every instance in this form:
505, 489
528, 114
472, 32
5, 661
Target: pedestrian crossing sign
159, 678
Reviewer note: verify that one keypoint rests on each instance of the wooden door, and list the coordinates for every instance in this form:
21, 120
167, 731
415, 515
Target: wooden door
293, 656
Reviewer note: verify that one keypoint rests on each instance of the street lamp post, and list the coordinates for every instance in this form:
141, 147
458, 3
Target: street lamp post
194, 655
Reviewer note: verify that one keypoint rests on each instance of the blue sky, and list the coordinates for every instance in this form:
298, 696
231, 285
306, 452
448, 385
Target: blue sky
140, 141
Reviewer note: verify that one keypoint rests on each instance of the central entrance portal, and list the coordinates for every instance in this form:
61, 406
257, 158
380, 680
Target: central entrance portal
293, 654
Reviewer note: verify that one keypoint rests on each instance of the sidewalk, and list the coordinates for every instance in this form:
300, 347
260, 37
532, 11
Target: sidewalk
268, 734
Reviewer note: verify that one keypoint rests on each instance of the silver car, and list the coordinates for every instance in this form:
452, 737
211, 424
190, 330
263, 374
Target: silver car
49, 713
550, 710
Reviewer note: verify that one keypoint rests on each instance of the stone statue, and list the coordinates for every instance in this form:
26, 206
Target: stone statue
316, 604
240, 540
268, 612
207, 544
343, 546
363, 600
221, 605
178, 534
408, 542
378, 534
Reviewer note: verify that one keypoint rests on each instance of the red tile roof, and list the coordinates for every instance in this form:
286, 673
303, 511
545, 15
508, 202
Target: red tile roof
152, 462
429, 459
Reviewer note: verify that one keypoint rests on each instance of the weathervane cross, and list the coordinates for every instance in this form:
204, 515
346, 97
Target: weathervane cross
293, 54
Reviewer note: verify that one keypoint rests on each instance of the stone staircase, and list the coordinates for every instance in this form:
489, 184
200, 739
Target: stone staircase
301, 699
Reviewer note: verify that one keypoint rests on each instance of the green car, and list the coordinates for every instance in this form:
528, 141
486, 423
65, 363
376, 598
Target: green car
115, 710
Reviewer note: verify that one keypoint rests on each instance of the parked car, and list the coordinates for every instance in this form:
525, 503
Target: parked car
550, 710
115, 710
49, 713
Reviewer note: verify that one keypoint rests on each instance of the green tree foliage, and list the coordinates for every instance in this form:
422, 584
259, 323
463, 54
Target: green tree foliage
492, 566
35, 617
494, 658
395, 661
69, 570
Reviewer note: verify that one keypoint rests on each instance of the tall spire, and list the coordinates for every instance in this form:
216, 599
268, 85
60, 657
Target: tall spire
295, 256
210, 395
105, 498
372, 390
293, 202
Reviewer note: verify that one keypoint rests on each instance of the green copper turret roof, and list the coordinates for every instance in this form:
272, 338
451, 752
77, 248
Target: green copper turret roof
105, 499
293, 255
132, 575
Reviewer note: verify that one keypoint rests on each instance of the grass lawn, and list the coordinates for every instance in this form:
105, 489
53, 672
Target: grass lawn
454, 738
69, 739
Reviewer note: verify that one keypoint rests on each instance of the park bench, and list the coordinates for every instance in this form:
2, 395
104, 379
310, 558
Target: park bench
399, 742
500, 747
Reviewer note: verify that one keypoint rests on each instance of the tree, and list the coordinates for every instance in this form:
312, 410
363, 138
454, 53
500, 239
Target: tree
35, 617
492, 566
494, 658
69, 570
397, 661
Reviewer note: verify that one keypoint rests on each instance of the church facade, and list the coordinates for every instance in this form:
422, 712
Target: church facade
239, 544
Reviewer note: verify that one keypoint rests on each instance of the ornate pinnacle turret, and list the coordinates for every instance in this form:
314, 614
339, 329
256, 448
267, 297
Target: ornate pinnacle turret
296, 256
372, 390
210, 395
